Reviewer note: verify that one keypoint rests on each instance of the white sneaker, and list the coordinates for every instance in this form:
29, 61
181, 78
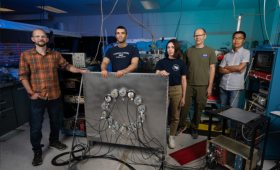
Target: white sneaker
171, 143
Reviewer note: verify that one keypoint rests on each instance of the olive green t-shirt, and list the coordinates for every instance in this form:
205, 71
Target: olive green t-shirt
198, 62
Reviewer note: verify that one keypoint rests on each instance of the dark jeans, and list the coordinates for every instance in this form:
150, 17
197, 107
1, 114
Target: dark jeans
227, 97
36, 117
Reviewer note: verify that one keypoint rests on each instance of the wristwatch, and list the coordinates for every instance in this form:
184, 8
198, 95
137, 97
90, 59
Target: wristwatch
30, 94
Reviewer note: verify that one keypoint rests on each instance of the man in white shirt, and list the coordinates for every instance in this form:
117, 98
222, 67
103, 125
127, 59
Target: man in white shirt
233, 67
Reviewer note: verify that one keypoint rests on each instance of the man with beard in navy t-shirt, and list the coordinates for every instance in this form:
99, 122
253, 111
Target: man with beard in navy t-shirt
124, 57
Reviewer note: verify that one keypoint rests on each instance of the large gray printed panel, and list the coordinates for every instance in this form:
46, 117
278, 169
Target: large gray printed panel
152, 88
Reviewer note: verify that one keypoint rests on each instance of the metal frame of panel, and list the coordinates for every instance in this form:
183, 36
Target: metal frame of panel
153, 88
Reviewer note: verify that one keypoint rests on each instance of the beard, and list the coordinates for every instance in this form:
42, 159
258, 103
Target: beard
122, 41
41, 45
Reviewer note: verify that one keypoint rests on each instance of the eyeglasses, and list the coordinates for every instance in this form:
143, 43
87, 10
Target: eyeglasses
196, 36
37, 37
239, 38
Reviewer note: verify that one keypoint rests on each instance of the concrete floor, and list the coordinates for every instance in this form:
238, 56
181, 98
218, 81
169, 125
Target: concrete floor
16, 153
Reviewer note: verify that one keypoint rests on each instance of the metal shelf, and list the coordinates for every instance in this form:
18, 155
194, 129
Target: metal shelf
234, 146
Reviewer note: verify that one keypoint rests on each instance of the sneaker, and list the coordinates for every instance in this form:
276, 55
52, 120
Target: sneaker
57, 145
219, 127
194, 134
171, 143
180, 131
38, 158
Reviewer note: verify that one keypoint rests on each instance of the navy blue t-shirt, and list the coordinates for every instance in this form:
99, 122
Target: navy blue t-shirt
176, 68
121, 57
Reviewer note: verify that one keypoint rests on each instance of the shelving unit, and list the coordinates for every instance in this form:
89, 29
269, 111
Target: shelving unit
235, 149
253, 84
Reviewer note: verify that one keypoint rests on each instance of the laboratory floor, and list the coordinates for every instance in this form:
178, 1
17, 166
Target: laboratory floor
16, 153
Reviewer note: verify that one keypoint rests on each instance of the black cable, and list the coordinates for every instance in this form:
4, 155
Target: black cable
41, 12
178, 25
164, 6
138, 138
161, 167
80, 158
83, 156
54, 160
250, 129
137, 22
261, 19
262, 13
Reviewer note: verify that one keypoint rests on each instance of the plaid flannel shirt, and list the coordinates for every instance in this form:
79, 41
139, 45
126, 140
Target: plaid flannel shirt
41, 71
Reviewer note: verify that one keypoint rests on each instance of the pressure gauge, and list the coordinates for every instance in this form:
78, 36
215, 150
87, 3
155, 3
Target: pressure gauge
131, 94
108, 98
110, 121
138, 100
116, 126
141, 109
105, 106
122, 92
123, 129
138, 123
141, 118
132, 127
104, 114
114, 93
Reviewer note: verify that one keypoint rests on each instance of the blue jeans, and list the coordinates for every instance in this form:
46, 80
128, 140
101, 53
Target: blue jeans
227, 97
36, 117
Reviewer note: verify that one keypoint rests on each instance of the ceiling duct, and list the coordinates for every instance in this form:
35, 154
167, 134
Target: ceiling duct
61, 26
28, 17
30, 27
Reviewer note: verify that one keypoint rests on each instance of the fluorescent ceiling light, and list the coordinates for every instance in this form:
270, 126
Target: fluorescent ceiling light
150, 4
6, 10
52, 9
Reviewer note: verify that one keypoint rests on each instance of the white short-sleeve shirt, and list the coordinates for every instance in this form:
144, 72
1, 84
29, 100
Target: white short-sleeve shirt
234, 80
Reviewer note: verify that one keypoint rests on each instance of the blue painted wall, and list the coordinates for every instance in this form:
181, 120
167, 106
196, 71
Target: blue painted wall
272, 21
219, 24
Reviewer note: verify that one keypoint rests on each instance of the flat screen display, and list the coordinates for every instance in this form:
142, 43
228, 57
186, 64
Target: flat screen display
262, 60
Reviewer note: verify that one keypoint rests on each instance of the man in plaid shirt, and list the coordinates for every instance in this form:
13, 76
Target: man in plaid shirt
38, 74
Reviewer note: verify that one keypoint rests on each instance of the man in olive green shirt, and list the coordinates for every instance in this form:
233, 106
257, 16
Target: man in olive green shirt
200, 60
